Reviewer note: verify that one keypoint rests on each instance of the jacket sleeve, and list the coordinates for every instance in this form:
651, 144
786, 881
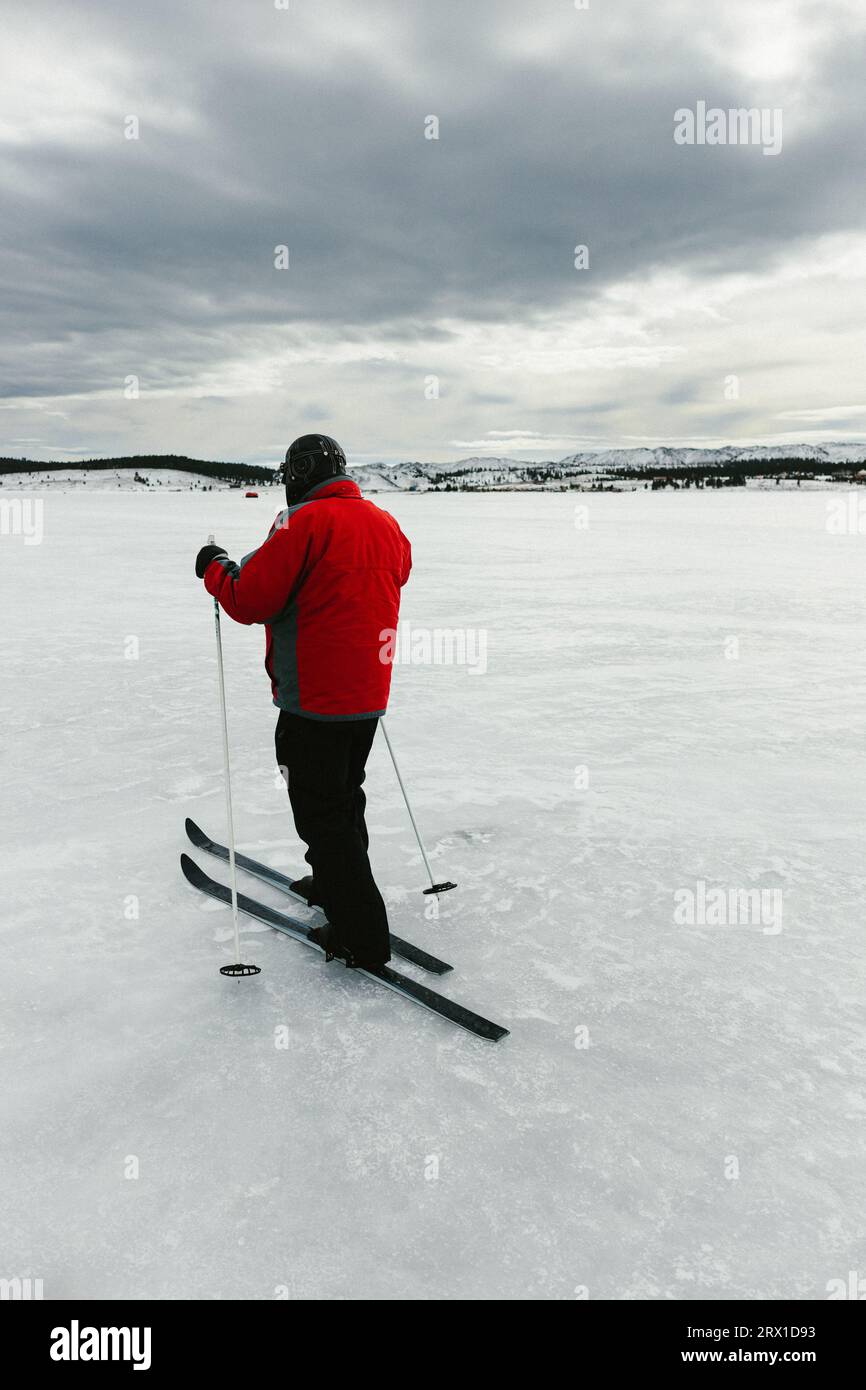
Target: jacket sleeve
258, 589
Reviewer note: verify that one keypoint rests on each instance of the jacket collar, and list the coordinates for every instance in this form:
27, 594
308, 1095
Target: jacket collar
340, 486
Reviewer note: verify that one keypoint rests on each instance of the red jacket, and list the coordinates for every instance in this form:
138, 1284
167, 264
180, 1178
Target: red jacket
326, 584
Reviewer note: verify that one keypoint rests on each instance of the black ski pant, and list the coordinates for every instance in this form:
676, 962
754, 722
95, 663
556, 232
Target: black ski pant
323, 764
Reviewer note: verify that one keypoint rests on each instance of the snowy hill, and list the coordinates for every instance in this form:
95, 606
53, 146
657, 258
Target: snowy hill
665, 457
623, 468
477, 473
114, 480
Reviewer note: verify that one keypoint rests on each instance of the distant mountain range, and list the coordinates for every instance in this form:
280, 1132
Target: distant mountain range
729, 465
731, 461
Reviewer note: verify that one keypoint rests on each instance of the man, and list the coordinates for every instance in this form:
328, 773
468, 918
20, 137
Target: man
326, 583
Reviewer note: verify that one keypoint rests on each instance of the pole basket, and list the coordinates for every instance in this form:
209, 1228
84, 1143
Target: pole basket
439, 888
234, 970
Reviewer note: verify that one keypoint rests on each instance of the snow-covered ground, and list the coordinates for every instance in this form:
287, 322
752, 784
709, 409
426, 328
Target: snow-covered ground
673, 695
110, 480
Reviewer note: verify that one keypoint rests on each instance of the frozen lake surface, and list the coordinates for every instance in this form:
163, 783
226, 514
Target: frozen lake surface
674, 695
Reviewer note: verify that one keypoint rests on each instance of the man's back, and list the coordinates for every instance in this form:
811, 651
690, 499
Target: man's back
327, 585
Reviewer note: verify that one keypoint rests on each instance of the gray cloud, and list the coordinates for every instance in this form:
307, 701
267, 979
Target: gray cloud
155, 256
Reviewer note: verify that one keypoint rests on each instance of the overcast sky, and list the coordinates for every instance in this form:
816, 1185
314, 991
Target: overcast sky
413, 258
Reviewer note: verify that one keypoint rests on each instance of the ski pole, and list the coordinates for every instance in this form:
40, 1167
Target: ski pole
434, 887
238, 968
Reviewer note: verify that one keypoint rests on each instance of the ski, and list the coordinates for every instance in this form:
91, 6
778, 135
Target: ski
399, 947
391, 979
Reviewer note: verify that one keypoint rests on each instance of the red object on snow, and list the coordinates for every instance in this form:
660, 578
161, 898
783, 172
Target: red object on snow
326, 584
251, 494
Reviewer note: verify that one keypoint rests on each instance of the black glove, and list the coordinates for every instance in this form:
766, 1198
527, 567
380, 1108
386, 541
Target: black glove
204, 557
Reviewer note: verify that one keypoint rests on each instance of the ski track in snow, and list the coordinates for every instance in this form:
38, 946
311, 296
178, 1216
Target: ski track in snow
382, 1153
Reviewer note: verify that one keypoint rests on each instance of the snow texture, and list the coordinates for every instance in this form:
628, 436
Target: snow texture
673, 695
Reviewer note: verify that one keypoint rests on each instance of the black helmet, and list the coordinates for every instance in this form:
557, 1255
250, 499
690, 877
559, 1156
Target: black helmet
310, 460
